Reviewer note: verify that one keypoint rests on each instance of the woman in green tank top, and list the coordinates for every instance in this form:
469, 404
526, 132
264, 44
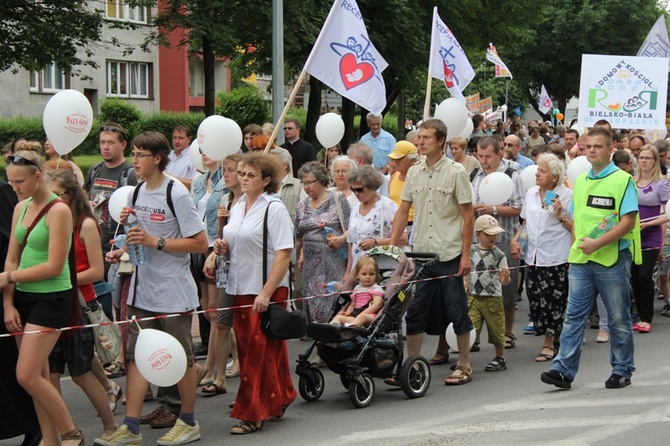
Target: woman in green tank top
37, 289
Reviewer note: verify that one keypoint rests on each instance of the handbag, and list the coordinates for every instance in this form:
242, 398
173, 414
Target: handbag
276, 322
106, 335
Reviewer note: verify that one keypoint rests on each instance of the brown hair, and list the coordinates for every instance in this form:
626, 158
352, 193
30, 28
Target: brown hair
268, 166
77, 198
365, 261
156, 143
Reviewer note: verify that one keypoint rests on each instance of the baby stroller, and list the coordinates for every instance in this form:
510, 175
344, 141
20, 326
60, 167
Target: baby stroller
358, 354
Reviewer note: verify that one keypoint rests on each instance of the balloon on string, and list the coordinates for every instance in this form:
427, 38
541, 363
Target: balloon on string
329, 129
577, 167
219, 137
196, 157
495, 189
559, 116
555, 112
452, 339
654, 135
119, 200
467, 131
160, 358
67, 120
454, 114
528, 176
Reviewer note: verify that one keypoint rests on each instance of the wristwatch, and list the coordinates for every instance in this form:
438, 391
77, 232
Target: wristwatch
161, 244
495, 211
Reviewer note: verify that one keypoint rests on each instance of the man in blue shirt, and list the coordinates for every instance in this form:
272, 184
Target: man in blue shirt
513, 143
380, 141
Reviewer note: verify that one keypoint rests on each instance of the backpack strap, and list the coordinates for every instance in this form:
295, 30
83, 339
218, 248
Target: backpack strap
124, 176
168, 192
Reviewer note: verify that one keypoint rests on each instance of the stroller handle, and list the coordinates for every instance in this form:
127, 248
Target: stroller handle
422, 255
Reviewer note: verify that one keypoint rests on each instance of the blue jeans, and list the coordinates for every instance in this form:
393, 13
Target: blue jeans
586, 281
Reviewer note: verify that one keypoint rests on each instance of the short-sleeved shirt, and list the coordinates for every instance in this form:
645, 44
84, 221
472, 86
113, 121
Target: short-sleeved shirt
651, 198
381, 146
437, 192
181, 166
244, 235
484, 280
164, 282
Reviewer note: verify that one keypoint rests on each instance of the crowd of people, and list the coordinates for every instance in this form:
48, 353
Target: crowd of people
263, 227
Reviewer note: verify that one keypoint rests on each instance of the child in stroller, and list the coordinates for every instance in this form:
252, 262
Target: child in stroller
366, 298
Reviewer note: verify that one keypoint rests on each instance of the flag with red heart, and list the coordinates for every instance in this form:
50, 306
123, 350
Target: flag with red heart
345, 60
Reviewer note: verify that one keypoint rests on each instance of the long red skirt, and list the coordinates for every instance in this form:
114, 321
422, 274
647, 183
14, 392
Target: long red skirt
265, 378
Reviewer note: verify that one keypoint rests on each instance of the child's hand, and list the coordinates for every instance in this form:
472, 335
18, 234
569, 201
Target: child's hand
505, 276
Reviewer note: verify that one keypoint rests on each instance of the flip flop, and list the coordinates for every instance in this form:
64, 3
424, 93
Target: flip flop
213, 389
435, 361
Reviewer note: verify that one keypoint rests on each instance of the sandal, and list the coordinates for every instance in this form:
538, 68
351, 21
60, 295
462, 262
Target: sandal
510, 340
462, 375
213, 389
439, 358
276, 418
74, 435
392, 381
545, 357
246, 427
115, 370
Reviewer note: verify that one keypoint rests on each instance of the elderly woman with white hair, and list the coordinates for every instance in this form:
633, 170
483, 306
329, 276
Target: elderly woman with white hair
340, 169
548, 228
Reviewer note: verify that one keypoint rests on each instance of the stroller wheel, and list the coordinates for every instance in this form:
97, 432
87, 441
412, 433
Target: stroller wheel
361, 390
311, 385
415, 376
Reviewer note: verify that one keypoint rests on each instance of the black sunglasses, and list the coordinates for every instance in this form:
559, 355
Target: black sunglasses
21, 161
357, 190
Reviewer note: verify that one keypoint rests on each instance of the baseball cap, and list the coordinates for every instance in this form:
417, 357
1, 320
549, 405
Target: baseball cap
402, 148
488, 224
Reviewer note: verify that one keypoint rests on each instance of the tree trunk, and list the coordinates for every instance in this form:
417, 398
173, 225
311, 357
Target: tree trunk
208, 60
313, 110
348, 112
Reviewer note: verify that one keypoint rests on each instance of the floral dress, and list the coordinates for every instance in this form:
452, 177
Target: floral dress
320, 263
370, 225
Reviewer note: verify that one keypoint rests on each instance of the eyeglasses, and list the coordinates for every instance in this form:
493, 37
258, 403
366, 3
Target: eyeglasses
340, 172
134, 155
114, 129
21, 161
250, 175
289, 128
308, 183
357, 190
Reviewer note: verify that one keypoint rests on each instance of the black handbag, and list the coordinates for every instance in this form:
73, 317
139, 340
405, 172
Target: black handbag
277, 322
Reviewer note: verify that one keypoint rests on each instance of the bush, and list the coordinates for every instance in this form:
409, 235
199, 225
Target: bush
244, 105
33, 130
123, 113
165, 122
297, 113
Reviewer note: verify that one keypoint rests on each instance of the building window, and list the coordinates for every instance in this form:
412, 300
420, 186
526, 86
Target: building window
119, 10
129, 79
196, 71
49, 80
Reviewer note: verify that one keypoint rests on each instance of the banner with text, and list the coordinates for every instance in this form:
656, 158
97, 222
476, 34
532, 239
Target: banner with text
481, 106
627, 91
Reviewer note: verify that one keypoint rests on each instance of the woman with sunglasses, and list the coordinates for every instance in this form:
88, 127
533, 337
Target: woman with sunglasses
266, 388
38, 289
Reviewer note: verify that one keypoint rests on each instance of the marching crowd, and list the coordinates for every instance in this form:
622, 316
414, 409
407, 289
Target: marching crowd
257, 229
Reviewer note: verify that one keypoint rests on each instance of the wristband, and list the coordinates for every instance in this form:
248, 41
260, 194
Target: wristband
9, 278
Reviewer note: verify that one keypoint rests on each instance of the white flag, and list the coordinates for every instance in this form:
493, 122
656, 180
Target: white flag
545, 104
657, 43
344, 58
448, 60
501, 68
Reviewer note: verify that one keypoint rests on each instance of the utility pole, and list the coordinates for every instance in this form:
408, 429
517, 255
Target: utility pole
278, 64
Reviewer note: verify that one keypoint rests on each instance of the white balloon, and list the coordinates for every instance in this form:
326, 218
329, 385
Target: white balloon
330, 129
454, 114
495, 188
528, 176
160, 358
452, 339
118, 201
467, 131
67, 120
196, 158
577, 167
219, 137
654, 135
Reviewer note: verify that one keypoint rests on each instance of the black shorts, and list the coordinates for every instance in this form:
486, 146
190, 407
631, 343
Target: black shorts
75, 350
44, 309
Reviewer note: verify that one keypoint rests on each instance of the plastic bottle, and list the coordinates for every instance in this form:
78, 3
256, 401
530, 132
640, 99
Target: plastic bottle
137, 253
604, 226
222, 267
333, 287
523, 240
119, 241
342, 251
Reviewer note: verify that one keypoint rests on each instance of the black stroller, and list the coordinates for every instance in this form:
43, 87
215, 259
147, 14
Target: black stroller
358, 354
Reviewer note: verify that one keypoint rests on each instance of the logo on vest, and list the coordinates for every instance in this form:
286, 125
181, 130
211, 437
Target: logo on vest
601, 202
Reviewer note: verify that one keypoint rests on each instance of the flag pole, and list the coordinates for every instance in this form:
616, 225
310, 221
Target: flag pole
426, 105
289, 102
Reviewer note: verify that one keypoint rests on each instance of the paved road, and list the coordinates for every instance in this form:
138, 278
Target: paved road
508, 407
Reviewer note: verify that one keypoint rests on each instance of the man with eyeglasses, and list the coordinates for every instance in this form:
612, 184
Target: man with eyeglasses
104, 178
301, 151
513, 143
380, 141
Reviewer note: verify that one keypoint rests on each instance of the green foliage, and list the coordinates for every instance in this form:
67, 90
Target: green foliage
123, 113
297, 113
165, 122
244, 105
390, 124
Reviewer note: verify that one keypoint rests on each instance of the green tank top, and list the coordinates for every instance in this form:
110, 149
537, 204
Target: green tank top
36, 252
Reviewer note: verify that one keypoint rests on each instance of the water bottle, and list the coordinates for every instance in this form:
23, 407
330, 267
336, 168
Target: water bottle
523, 240
222, 266
119, 241
137, 253
342, 251
333, 287
605, 225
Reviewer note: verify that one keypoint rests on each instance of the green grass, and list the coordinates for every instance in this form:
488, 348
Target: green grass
84, 162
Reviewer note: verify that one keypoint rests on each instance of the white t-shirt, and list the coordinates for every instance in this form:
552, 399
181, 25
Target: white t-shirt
244, 235
181, 166
164, 281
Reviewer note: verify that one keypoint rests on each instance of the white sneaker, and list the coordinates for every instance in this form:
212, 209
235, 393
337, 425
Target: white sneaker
181, 433
121, 436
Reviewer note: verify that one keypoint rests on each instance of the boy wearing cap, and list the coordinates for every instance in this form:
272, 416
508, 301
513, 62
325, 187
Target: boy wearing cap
489, 274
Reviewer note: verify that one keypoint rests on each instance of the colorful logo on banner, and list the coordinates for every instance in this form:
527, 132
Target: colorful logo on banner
357, 64
629, 92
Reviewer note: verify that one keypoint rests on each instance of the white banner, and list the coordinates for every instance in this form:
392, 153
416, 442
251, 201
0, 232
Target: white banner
448, 61
657, 43
501, 68
627, 91
345, 60
545, 104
